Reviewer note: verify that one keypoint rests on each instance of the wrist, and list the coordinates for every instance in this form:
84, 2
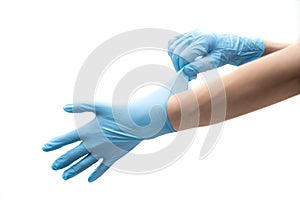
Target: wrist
190, 109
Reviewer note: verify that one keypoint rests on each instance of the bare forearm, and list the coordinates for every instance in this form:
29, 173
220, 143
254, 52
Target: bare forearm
255, 85
271, 47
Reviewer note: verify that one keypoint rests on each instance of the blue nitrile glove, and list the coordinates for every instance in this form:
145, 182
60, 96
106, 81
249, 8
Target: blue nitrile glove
113, 132
198, 51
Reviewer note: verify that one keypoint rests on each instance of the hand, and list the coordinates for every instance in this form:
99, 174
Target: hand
197, 51
113, 132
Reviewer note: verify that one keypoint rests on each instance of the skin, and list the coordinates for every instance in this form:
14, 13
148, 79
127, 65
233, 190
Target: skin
255, 85
271, 47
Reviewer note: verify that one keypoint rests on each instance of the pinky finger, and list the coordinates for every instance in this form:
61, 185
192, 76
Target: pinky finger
98, 172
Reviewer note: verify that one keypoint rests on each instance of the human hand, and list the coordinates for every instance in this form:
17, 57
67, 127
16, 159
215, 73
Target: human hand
198, 51
115, 130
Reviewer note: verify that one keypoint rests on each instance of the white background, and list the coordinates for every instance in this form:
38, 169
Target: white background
42, 47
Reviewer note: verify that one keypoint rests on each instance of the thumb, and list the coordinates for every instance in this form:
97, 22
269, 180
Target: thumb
79, 107
201, 64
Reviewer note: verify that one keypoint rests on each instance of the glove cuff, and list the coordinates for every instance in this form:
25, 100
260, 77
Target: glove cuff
238, 50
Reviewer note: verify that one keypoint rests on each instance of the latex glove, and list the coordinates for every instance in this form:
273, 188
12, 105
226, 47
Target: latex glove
198, 51
113, 132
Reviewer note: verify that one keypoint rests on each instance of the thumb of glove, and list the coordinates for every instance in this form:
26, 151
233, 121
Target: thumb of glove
201, 64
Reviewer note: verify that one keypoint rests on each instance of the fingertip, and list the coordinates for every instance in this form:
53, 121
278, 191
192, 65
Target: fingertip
91, 179
192, 78
65, 177
46, 148
190, 71
99, 171
54, 166
68, 108
94, 176
177, 68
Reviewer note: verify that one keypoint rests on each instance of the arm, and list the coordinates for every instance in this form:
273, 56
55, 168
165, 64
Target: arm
257, 84
198, 51
268, 80
271, 47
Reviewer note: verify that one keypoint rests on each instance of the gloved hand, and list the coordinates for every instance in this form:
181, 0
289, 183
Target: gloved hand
197, 51
113, 132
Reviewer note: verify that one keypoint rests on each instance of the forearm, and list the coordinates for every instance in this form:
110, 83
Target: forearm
271, 47
255, 85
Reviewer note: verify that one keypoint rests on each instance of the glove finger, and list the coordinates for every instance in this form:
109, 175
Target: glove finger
205, 39
69, 157
192, 77
79, 108
177, 39
180, 47
198, 66
99, 171
61, 141
173, 48
171, 44
82, 165
191, 53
